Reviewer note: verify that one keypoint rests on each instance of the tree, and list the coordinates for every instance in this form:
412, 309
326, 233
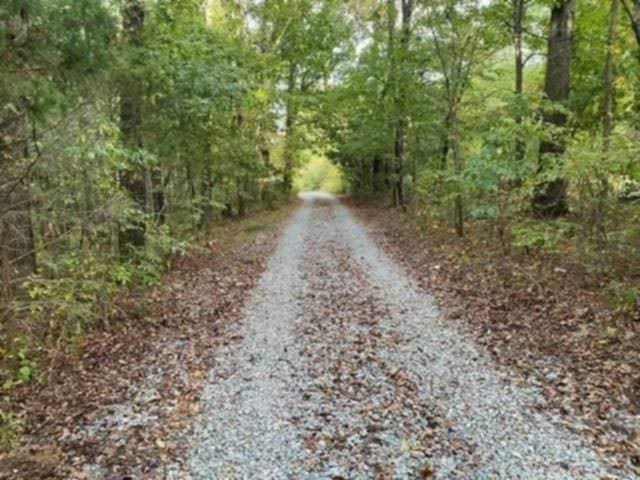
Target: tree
462, 40
401, 75
132, 234
608, 105
519, 11
550, 196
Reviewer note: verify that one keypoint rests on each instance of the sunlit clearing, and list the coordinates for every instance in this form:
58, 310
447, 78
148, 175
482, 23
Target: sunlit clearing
319, 174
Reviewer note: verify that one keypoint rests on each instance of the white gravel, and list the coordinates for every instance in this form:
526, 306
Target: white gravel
244, 430
310, 367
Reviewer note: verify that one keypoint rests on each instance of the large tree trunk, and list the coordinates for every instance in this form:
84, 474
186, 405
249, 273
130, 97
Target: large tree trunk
133, 179
550, 198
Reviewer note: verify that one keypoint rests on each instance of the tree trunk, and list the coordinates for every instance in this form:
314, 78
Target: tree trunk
633, 12
550, 198
398, 190
609, 79
290, 121
241, 192
634, 16
377, 175
598, 210
132, 180
401, 100
519, 10
157, 196
454, 143
444, 146
207, 194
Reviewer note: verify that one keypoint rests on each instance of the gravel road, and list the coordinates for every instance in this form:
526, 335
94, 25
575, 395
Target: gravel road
343, 369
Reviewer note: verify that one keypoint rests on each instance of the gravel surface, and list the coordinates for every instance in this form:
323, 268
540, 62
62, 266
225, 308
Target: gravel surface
245, 429
342, 369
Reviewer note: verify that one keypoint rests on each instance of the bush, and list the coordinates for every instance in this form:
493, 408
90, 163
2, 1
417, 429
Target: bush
545, 236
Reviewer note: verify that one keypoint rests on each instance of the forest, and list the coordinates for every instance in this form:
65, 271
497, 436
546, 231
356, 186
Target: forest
131, 131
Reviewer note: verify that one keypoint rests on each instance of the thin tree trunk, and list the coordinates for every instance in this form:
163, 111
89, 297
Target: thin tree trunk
598, 222
191, 183
550, 198
454, 142
290, 125
444, 146
377, 174
157, 196
609, 79
633, 12
519, 10
207, 194
401, 100
398, 150
391, 167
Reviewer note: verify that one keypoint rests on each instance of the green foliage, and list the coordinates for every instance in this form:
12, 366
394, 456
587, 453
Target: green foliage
25, 366
147, 266
76, 292
546, 236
